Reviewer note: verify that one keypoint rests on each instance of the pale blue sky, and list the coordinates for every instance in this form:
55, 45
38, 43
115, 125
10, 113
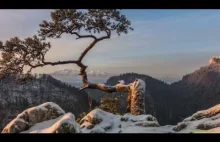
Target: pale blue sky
164, 43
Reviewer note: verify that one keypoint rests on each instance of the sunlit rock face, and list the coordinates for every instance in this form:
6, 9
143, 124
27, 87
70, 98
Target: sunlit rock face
215, 60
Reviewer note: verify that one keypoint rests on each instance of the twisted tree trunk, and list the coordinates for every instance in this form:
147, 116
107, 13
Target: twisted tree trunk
137, 96
135, 90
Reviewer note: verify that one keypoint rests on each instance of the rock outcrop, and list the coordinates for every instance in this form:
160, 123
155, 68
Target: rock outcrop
50, 118
63, 124
215, 60
207, 121
47, 114
99, 121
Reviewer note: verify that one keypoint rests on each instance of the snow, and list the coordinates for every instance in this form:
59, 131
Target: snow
139, 84
138, 129
43, 107
52, 105
99, 121
22, 120
52, 125
107, 120
128, 123
31, 116
134, 118
43, 127
202, 121
121, 82
192, 126
111, 123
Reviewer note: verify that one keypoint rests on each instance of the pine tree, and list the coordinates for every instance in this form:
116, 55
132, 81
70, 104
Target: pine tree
111, 104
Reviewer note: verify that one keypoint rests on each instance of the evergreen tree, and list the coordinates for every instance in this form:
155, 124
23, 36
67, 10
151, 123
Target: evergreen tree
111, 104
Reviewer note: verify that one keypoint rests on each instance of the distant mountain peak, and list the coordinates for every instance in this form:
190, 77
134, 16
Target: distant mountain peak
75, 72
205, 75
215, 60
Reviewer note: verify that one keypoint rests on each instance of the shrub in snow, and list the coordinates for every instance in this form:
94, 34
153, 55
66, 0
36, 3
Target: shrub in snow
111, 104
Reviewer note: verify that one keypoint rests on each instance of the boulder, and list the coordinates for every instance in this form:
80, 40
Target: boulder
63, 124
201, 121
99, 121
32, 116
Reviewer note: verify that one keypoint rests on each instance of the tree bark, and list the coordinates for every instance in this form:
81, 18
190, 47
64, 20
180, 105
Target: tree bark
135, 90
137, 97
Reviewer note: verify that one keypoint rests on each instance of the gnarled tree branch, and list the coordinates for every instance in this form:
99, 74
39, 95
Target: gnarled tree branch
31, 52
82, 36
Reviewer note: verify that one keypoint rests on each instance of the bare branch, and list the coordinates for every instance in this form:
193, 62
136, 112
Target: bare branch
83, 36
106, 88
108, 32
53, 63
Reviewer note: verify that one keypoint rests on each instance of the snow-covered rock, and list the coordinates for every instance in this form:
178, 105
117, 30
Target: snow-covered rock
99, 121
62, 124
50, 118
32, 116
207, 121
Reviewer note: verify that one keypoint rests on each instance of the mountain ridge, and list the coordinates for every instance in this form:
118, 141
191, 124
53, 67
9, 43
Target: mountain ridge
14, 97
169, 103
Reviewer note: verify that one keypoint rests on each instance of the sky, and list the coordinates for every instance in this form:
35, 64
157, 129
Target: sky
164, 43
